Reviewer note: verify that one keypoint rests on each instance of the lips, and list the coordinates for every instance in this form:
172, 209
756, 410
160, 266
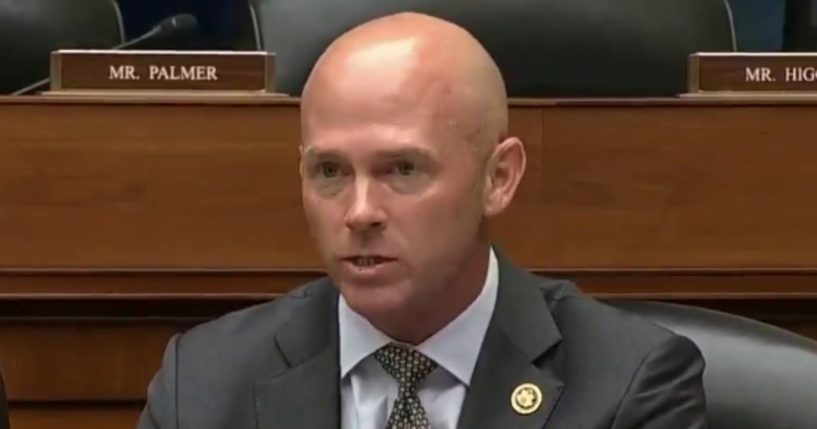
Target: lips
369, 268
367, 260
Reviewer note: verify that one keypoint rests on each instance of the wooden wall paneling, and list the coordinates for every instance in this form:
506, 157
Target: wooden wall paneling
209, 186
672, 187
125, 221
150, 186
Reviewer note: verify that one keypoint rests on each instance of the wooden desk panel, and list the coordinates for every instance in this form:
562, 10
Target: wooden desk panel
124, 221
111, 358
137, 185
70, 360
74, 416
623, 187
710, 187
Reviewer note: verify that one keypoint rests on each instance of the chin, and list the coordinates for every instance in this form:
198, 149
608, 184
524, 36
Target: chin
378, 301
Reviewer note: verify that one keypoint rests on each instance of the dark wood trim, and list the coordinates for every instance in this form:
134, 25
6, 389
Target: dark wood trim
202, 284
199, 294
272, 100
74, 414
154, 99
197, 309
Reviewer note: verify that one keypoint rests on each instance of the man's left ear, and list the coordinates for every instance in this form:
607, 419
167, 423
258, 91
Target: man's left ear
505, 168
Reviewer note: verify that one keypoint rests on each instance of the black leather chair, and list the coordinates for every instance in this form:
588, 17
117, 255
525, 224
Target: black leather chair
31, 29
544, 47
245, 34
757, 376
4, 413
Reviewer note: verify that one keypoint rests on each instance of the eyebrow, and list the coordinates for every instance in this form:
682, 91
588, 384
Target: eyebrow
314, 154
407, 152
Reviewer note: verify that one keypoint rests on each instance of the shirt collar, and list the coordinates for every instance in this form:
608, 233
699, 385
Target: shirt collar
455, 347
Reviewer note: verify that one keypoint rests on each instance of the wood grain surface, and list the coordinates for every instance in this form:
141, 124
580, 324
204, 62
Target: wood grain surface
126, 220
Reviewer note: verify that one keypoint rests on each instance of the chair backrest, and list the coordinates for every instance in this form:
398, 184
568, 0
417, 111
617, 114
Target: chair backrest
31, 29
543, 47
246, 35
757, 376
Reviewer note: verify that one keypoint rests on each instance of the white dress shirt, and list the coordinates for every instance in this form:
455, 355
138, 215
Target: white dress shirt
368, 391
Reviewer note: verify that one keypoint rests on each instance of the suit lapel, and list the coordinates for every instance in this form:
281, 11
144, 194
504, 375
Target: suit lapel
513, 353
303, 391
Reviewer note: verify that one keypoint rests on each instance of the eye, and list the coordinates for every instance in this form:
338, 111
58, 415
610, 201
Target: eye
404, 168
329, 170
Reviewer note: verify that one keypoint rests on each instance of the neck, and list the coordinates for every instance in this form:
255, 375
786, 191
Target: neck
421, 321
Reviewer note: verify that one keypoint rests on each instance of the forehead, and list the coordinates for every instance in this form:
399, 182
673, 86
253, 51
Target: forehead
372, 141
391, 107
387, 100
379, 126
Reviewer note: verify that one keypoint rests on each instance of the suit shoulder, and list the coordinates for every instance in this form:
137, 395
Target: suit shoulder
213, 367
581, 315
253, 326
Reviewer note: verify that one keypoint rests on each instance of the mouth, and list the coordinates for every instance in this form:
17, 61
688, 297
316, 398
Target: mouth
367, 261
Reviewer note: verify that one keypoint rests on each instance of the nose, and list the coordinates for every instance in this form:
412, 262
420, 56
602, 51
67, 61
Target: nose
364, 213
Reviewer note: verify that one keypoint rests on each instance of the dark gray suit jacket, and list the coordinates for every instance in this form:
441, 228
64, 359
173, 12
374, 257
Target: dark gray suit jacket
275, 366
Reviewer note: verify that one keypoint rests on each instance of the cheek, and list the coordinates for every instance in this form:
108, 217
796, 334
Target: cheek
320, 214
310, 208
444, 221
438, 235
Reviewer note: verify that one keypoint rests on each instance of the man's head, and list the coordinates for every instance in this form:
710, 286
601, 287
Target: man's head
405, 155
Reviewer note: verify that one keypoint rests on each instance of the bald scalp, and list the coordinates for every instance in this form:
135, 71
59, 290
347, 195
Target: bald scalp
410, 60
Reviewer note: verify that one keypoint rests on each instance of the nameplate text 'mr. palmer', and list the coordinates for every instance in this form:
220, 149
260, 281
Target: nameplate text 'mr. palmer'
100, 70
753, 72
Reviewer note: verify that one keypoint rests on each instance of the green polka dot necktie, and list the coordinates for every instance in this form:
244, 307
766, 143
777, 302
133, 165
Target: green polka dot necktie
408, 367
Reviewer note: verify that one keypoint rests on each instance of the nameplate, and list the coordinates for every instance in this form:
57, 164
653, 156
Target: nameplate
738, 72
105, 70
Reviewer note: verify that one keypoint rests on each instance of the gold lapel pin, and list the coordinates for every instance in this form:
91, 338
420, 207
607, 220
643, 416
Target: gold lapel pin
526, 399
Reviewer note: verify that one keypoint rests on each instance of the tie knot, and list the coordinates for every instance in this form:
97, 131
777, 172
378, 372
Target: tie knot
407, 366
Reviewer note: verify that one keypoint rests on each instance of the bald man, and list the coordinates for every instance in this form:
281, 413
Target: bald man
421, 322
